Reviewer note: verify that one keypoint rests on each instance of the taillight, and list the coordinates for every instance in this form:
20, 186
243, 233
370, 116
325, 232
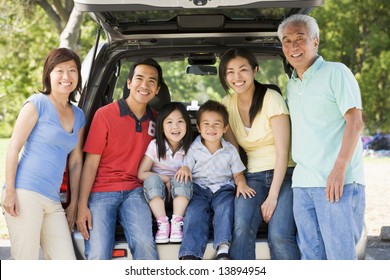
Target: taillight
119, 253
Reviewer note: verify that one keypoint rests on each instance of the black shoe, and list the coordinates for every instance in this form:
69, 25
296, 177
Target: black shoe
189, 257
222, 256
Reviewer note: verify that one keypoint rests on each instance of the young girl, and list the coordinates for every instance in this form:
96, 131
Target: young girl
163, 157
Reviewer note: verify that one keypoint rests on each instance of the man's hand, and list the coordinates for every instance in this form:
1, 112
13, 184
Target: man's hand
335, 184
84, 220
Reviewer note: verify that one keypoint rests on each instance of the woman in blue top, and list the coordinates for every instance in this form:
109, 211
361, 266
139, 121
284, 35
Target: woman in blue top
50, 131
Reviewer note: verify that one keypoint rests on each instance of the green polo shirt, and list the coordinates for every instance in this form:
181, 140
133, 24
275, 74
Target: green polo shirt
317, 105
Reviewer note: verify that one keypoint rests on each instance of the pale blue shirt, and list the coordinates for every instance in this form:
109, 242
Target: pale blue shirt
317, 105
213, 170
43, 160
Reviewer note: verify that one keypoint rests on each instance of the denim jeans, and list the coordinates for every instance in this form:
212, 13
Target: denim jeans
154, 186
132, 212
248, 218
197, 219
329, 230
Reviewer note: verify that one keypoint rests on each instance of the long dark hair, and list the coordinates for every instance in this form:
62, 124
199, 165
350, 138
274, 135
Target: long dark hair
164, 112
55, 57
260, 90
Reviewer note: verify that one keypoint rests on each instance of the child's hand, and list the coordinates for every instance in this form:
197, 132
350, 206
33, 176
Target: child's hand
245, 190
183, 174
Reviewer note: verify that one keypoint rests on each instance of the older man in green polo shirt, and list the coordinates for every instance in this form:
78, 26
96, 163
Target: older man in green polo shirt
326, 113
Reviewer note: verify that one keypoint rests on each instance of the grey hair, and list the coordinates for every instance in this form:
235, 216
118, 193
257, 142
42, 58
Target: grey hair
310, 23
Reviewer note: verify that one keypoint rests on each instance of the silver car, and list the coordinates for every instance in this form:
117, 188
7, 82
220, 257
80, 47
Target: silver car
186, 37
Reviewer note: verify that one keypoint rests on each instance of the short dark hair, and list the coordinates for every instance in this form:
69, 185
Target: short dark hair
150, 62
55, 57
213, 106
164, 112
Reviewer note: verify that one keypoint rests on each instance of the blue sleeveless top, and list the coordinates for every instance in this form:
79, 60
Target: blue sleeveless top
44, 156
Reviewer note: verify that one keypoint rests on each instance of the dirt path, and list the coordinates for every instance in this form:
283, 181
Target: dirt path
377, 174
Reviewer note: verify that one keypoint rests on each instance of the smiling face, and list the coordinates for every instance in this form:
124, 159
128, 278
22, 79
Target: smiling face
64, 77
174, 128
144, 84
300, 50
240, 75
211, 126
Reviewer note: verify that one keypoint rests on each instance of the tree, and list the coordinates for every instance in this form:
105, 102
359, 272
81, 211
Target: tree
356, 32
28, 30
66, 18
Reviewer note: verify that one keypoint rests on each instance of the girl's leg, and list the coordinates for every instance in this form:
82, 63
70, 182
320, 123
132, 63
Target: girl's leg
155, 194
180, 204
181, 194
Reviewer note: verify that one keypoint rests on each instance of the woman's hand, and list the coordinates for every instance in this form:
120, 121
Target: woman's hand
11, 204
71, 215
268, 207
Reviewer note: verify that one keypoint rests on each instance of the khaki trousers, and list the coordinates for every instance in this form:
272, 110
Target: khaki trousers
41, 223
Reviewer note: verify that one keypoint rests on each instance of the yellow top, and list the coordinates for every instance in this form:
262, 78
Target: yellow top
257, 141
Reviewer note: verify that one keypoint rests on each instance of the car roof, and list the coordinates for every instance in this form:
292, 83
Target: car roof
157, 20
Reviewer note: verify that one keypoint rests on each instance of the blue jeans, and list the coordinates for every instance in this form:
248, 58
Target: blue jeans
132, 212
248, 218
329, 230
154, 186
197, 219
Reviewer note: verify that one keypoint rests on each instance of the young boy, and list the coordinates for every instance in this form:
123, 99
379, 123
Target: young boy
215, 167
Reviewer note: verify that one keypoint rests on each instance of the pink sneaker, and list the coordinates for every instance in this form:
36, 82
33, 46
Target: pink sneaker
176, 230
162, 234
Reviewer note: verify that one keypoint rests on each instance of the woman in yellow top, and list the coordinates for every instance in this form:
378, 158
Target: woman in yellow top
259, 123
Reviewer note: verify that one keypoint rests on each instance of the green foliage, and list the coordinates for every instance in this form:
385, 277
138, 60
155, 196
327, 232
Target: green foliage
23, 49
26, 36
356, 32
